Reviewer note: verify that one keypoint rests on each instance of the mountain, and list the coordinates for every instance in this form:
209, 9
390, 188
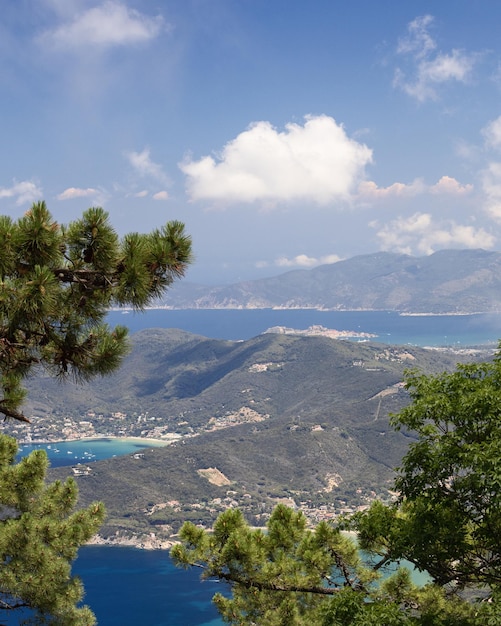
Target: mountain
449, 281
278, 416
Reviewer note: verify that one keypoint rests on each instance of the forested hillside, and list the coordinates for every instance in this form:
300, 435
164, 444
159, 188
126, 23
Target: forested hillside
277, 416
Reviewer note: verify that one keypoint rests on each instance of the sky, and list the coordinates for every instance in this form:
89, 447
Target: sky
285, 134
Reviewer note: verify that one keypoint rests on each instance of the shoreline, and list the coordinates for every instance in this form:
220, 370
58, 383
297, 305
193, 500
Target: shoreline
156, 443
128, 310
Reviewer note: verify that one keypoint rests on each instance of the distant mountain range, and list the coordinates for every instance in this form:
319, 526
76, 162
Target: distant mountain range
449, 281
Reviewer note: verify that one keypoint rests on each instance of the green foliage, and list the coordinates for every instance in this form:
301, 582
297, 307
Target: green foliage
448, 518
57, 284
281, 575
446, 521
40, 533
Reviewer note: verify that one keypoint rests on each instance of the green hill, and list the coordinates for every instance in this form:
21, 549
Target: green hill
277, 416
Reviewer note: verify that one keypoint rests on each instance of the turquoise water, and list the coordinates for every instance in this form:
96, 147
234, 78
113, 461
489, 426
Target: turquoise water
87, 450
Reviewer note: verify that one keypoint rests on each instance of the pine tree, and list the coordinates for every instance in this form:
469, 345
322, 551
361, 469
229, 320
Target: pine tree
57, 284
40, 534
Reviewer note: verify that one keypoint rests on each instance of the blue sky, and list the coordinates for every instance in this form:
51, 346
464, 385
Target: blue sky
283, 133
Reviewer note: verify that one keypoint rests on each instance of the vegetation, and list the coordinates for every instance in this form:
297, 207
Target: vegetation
448, 517
446, 521
326, 442
39, 538
56, 285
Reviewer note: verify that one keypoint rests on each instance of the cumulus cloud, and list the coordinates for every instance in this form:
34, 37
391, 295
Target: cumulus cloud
315, 162
369, 189
420, 233
23, 192
107, 25
75, 192
446, 185
97, 196
303, 260
145, 167
449, 185
428, 68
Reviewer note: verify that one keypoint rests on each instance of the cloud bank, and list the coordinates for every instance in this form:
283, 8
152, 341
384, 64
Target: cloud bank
316, 162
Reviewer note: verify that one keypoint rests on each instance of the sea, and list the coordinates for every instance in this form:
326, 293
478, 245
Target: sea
129, 587
387, 326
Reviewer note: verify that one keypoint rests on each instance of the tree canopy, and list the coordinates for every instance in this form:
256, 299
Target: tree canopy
40, 533
446, 521
57, 284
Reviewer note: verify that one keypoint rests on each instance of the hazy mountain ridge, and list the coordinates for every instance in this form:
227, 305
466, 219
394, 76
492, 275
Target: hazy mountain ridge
448, 281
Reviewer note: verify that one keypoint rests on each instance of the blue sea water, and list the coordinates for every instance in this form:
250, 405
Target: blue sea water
388, 326
126, 586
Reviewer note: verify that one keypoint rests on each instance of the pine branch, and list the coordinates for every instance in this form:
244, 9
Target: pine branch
13, 414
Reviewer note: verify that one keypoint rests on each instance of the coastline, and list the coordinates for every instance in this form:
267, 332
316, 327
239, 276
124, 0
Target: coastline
155, 443
141, 542
128, 310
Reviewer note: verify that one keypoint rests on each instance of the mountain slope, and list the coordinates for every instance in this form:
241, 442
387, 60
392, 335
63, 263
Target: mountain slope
445, 282
278, 416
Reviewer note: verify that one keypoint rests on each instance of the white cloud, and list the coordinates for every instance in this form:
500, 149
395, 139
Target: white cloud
145, 167
25, 191
97, 196
110, 24
161, 195
491, 185
449, 185
141, 194
418, 41
369, 189
420, 233
428, 69
75, 192
316, 162
492, 134
446, 185
303, 260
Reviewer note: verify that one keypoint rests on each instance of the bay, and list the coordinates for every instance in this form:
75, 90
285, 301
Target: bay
62, 453
388, 326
